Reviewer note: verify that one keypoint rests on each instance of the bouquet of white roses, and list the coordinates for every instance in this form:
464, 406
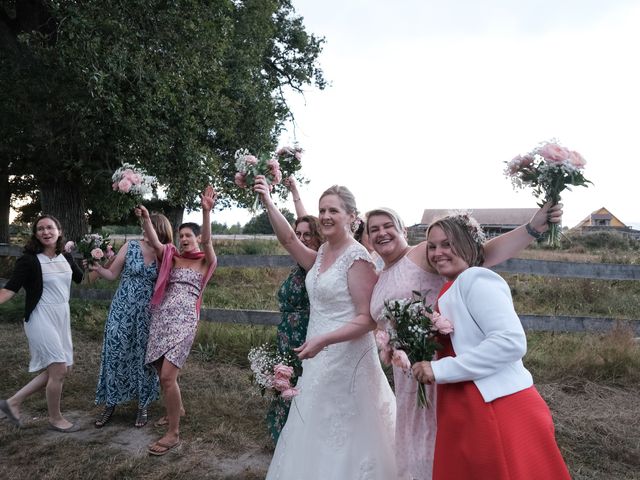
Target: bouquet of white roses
407, 333
549, 169
273, 371
129, 179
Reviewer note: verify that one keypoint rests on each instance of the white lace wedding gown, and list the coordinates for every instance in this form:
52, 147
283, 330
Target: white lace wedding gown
341, 425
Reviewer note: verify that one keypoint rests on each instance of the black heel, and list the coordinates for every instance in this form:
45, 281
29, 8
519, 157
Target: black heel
141, 417
105, 416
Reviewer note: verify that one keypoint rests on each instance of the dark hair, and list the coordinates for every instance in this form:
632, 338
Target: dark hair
465, 237
34, 246
357, 227
195, 228
314, 228
162, 226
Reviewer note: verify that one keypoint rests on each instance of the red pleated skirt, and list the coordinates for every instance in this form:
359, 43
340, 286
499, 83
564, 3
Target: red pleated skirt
510, 438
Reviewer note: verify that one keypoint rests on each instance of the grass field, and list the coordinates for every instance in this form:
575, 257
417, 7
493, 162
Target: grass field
590, 381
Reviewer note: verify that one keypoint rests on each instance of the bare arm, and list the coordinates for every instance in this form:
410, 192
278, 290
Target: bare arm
509, 244
6, 294
208, 200
291, 184
114, 269
304, 256
147, 226
361, 278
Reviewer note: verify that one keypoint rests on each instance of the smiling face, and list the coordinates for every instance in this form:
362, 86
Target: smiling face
334, 219
385, 238
188, 240
442, 256
306, 236
47, 233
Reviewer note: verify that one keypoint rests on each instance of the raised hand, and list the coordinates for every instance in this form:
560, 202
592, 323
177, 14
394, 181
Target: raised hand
547, 214
141, 211
208, 198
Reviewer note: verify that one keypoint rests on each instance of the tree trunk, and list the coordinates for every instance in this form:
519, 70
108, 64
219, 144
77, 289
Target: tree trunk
64, 201
5, 205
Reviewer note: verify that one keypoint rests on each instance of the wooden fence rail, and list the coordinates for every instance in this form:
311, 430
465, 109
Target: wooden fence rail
598, 271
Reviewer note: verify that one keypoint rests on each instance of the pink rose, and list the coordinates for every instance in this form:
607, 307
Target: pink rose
281, 384
115, 186
283, 371
384, 350
576, 159
109, 253
399, 359
289, 393
136, 179
526, 160
277, 176
441, 324
97, 253
241, 180
69, 246
250, 160
554, 153
124, 185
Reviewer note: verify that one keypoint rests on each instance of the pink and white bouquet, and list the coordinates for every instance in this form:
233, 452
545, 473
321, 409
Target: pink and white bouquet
129, 179
407, 333
273, 371
249, 166
549, 169
93, 247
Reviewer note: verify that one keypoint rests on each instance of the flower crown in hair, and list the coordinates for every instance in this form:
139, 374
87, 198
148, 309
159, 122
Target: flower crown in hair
472, 226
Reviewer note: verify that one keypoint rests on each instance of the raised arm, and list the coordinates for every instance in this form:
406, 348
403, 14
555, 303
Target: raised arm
290, 183
361, 279
152, 237
304, 256
114, 268
208, 200
509, 244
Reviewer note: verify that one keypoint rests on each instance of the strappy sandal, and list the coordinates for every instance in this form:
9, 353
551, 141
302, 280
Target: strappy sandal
141, 418
105, 416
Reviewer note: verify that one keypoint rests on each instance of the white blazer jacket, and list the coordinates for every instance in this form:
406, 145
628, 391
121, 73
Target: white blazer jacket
488, 337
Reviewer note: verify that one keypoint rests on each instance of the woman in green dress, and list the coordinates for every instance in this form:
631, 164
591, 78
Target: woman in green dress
294, 308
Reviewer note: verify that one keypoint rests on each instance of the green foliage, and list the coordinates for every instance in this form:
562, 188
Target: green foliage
173, 87
260, 223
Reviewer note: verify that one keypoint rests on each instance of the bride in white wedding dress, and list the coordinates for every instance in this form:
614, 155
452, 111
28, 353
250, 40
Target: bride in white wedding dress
341, 425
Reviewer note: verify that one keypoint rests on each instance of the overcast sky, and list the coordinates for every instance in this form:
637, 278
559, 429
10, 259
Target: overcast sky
427, 99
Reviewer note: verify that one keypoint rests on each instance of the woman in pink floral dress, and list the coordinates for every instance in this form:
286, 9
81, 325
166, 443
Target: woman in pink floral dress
405, 270
175, 308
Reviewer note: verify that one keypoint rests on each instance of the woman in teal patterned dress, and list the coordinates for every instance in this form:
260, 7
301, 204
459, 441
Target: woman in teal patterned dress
294, 309
123, 373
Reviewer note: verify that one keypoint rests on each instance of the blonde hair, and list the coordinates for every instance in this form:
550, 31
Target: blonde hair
345, 195
387, 212
162, 226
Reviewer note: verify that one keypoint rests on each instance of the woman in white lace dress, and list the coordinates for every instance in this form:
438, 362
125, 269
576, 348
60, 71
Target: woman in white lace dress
341, 425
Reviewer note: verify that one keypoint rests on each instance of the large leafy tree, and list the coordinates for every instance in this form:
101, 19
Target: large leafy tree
174, 87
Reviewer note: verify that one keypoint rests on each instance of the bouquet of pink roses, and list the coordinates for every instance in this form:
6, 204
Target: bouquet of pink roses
93, 247
273, 371
407, 333
549, 169
128, 179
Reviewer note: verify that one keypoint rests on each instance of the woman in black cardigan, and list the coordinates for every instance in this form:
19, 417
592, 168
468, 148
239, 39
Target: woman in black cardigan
45, 272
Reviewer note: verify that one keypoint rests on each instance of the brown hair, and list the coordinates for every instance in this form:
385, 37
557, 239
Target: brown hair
465, 237
314, 228
162, 226
34, 246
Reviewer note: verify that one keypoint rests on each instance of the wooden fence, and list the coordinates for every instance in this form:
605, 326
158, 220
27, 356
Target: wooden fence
598, 271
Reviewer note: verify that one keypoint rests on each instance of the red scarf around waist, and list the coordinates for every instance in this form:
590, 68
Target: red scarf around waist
166, 263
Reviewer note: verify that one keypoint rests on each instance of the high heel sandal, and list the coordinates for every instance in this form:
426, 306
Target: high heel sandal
105, 416
141, 418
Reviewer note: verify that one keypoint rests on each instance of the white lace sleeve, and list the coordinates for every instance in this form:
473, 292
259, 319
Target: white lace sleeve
353, 253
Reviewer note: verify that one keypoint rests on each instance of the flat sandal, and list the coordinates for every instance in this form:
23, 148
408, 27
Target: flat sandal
141, 417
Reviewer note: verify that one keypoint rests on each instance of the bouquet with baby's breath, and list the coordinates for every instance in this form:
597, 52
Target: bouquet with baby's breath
274, 371
407, 333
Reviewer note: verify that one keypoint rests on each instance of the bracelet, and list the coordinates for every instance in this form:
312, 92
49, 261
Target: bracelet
296, 199
533, 232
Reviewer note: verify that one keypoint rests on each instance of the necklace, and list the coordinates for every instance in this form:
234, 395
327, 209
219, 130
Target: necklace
406, 250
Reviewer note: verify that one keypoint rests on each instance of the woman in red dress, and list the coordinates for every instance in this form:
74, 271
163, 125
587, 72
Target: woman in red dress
492, 422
